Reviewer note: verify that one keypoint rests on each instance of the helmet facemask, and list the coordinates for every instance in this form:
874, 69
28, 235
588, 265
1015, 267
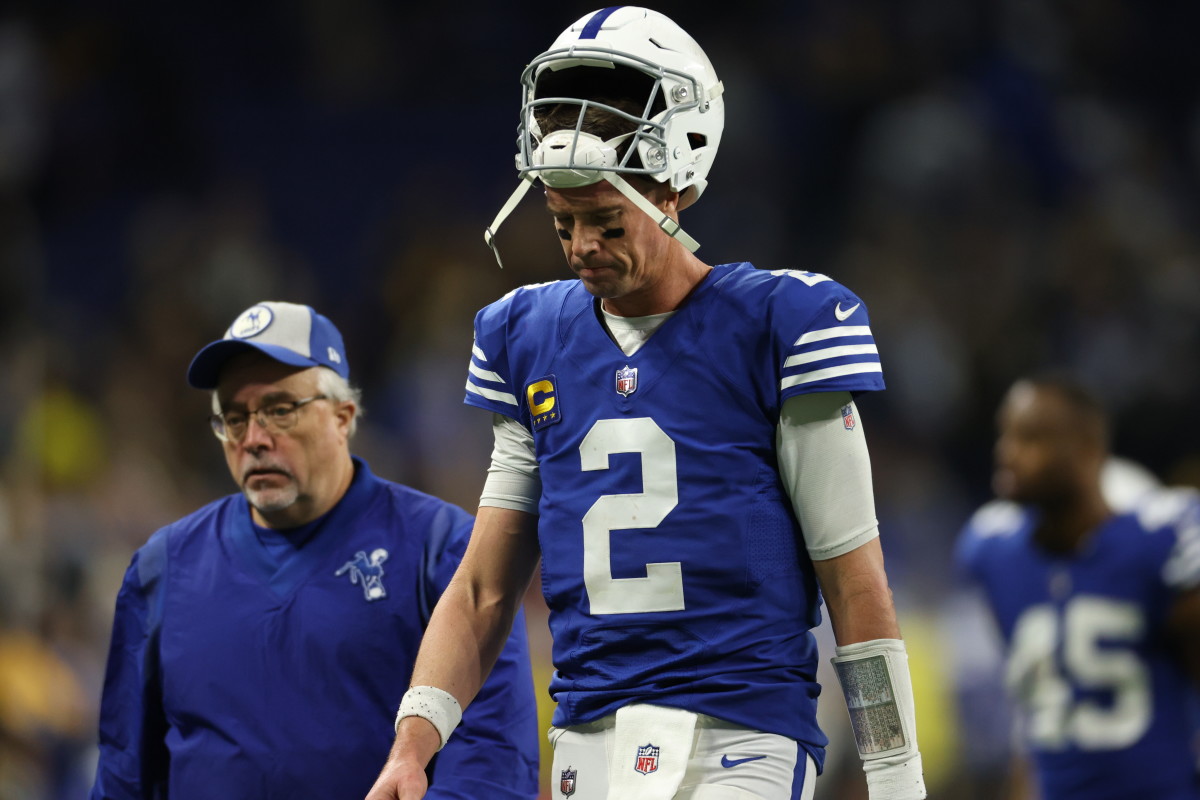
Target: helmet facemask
619, 112
597, 110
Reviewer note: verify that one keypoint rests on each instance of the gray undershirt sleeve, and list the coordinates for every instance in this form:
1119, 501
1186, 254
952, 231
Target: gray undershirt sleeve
826, 470
513, 480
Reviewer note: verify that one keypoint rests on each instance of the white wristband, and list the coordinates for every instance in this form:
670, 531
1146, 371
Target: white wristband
878, 690
895, 780
431, 703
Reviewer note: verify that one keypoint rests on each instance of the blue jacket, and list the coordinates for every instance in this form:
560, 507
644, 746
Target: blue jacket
256, 664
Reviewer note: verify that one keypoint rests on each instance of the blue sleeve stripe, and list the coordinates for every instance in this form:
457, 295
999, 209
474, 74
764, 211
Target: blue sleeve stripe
484, 374
478, 372
831, 352
491, 394
594, 24
830, 372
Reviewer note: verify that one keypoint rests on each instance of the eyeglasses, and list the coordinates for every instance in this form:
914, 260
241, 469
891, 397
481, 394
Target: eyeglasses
231, 426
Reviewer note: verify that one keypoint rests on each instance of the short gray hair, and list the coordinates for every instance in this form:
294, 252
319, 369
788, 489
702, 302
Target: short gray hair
333, 386
339, 390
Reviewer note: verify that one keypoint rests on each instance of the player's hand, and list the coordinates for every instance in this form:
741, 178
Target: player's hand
399, 781
403, 776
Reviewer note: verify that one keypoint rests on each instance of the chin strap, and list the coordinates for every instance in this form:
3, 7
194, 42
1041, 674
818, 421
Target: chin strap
668, 225
489, 233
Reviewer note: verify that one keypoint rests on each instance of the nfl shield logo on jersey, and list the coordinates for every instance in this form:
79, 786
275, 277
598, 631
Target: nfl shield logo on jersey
647, 759
566, 783
626, 381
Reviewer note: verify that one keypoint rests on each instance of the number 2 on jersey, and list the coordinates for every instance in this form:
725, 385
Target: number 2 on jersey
662, 588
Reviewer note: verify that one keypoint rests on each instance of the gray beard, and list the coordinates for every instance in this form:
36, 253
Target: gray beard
270, 501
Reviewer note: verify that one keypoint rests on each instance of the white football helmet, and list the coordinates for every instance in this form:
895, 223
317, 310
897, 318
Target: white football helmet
636, 54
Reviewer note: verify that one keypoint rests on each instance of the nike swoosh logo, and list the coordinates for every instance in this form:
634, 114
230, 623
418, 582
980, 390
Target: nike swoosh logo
728, 762
844, 315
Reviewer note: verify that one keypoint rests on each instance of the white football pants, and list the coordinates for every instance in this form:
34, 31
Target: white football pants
723, 762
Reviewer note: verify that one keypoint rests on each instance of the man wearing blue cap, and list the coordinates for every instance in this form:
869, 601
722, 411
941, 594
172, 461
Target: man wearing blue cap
259, 641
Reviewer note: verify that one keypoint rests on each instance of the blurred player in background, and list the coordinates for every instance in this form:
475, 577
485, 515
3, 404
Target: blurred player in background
1099, 609
679, 444
257, 641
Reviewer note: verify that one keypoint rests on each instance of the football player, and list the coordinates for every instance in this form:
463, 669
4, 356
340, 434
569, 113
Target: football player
1099, 609
679, 445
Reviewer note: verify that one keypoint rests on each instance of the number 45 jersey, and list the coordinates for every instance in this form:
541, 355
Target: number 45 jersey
672, 562
1107, 708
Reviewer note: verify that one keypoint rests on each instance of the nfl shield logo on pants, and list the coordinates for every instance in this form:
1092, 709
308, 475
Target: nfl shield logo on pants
647, 759
566, 783
626, 381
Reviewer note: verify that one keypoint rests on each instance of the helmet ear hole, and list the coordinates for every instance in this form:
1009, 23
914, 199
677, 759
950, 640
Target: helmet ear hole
697, 140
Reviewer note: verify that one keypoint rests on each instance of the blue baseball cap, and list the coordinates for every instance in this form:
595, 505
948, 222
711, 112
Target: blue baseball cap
287, 332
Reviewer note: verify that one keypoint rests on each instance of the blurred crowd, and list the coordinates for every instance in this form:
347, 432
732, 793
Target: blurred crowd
1010, 186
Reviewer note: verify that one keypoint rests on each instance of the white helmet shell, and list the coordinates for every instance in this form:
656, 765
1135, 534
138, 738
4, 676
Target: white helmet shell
679, 128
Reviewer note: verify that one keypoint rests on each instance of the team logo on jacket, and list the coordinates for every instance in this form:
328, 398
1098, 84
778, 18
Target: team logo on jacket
848, 416
627, 381
367, 572
566, 782
647, 759
545, 406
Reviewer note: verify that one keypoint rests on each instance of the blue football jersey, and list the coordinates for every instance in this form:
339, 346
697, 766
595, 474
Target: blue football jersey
238, 672
1108, 711
672, 562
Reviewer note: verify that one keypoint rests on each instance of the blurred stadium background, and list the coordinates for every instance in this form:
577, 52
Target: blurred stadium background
1010, 185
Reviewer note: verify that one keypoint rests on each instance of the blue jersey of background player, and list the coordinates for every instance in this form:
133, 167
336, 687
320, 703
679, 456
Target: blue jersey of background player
1099, 611
679, 445
260, 641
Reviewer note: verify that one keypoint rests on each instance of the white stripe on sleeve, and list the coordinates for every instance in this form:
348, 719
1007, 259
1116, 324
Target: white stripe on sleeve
830, 372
